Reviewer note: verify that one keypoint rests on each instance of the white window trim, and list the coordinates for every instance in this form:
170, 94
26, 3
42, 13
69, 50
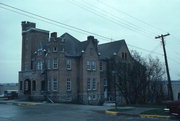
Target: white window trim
94, 98
49, 85
88, 65
68, 84
68, 64
55, 63
55, 84
39, 65
93, 65
89, 82
49, 64
94, 84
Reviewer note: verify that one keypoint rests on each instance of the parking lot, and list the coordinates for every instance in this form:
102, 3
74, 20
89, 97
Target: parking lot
62, 112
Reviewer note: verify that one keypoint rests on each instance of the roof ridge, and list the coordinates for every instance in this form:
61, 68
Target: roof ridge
70, 36
112, 42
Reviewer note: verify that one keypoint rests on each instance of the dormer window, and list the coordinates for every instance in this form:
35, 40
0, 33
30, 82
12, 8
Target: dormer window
62, 40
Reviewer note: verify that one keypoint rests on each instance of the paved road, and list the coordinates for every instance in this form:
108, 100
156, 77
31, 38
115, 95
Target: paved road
61, 112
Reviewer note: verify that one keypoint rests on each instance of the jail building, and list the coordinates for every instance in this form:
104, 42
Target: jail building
64, 69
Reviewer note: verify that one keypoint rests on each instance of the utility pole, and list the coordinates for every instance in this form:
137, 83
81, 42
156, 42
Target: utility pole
170, 92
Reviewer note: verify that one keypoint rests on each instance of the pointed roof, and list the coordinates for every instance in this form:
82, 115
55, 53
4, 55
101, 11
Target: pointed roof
73, 47
107, 50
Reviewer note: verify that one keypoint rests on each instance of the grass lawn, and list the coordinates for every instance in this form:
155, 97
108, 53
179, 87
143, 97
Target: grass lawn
158, 111
119, 110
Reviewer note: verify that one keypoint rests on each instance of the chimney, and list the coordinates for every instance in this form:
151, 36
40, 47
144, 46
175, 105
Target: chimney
54, 34
94, 41
90, 38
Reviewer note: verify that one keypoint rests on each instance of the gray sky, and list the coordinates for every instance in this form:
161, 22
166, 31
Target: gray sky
116, 19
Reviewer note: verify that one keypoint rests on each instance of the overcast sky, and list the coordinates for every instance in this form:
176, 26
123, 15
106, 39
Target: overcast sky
136, 21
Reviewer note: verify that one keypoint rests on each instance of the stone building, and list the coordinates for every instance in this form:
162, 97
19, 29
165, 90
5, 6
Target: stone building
64, 69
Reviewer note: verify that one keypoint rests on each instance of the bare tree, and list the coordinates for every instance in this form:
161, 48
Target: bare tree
139, 80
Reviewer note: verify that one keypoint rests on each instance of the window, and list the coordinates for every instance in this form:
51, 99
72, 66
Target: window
49, 85
100, 66
55, 84
88, 66
93, 65
32, 63
21, 83
55, 63
61, 48
42, 85
105, 82
39, 65
49, 64
26, 85
68, 64
68, 84
94, 84
54, 49
89, 84
34, 85
122, 55
94, 97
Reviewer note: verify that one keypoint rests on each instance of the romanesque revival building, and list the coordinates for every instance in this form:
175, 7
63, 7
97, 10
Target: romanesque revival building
64, 69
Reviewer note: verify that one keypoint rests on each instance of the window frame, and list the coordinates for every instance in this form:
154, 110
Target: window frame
93, 65
88, 84
68, 84
55, 63
94, 84
88, 65
68, 64
33, 85
55, 84
55, 49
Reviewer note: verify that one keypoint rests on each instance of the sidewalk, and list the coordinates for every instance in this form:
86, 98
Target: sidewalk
21, 103
136, 112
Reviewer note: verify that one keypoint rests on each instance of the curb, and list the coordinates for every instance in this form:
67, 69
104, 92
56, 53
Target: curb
141, 115
154, 116
19, 104
112, 112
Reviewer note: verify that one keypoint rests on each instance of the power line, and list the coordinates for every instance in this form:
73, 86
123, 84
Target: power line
118, 18
59, 24
112, 18
127, 14
54, 21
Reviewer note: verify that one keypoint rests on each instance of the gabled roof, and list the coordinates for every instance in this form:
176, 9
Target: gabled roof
70, 45
73, 47
107, 50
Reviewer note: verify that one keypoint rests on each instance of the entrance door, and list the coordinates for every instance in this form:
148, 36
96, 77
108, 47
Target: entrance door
27, 86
